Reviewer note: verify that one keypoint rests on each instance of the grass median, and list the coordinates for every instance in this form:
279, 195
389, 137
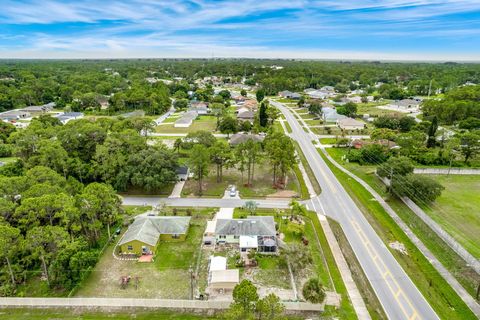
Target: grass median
443, 299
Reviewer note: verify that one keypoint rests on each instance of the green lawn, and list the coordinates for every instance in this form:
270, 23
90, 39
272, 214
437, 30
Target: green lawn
435, 289
76, 314
8, 159
207, 123
168, 277
308, 169
457, 210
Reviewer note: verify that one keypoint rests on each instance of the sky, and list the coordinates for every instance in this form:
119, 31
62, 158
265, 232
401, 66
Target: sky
444, 30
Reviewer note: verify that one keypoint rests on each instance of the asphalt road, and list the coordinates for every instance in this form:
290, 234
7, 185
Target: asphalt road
398, 295
204, 202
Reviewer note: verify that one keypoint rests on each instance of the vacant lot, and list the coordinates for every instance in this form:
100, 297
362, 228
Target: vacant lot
457, 210
207, 123
262, 185
168, 277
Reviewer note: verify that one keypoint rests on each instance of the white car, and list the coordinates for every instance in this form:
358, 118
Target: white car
233, 191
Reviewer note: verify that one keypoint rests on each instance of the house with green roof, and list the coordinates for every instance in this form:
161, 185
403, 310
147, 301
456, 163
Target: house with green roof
146, 231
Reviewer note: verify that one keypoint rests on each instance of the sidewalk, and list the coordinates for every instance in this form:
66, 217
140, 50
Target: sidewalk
177, 190
449, 278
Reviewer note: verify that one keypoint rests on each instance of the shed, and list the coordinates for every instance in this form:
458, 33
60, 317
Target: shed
224, 279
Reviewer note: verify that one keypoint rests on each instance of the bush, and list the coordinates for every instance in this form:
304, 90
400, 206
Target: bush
313, 291
420, 189
5, 150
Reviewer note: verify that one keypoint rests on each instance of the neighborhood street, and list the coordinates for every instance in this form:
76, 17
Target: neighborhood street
398, 295
204, 202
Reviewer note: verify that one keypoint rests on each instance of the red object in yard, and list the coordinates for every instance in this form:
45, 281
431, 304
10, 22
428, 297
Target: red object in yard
146, 258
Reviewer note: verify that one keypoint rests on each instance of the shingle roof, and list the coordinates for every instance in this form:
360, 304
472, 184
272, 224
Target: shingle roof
246, 115
252, 226
244, 137
148, 229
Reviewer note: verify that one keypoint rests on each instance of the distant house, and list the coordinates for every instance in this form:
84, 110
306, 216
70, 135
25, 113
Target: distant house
242, 109
242, 137
289, 95
145, 232
255, 232
330, 114
13, 115
248, 115
69, 116
186, 120
201, 108
350, 124
182, 173
39, 109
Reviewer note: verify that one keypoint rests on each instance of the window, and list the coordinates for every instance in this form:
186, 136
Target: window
222, 237
130, 248
175, 236
236, 237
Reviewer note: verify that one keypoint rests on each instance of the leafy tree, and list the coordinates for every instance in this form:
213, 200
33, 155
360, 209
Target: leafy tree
225, 94
228, 125
245, 295
469, 145
313, 291
262, 115
418, 188
383, 133
406, 123
243, 93
6, 129
202, 137
349, 109
180, 104
470, 123
280, 152
249, 153
177, 145
198, 162
221, 155
432, 130
395, 166
10, 239
269, 308
44, 243
260, 95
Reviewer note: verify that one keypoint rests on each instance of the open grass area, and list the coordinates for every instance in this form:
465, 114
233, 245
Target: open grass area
78, 314
308, 169
457, 210
168, 277
453, 262
8, 159
371, 109
206, 123
435, 289
262, 185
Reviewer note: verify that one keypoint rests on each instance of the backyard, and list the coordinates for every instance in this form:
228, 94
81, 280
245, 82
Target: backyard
168, 277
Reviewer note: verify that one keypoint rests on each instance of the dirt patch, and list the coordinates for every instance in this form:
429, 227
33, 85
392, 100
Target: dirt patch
399, 247
283, 194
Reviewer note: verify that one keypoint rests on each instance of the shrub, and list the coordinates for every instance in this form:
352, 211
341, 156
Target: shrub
313, 291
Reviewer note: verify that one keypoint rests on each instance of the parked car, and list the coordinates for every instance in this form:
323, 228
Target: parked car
233, 191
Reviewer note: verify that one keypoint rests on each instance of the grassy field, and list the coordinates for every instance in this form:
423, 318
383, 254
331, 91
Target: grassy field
457, 210
439, 294
8, 159
453, 262
308, 169
207, 123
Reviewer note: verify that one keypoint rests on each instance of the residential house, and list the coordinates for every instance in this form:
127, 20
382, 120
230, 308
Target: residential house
186, 120
209, 234
254, 232
69, 116
242, 137
330, 114
145, 232
201, 108
182, 173
350, 124
14, 115
39, 109
246, 116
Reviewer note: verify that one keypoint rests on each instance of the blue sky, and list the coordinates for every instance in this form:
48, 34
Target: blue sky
322, 29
